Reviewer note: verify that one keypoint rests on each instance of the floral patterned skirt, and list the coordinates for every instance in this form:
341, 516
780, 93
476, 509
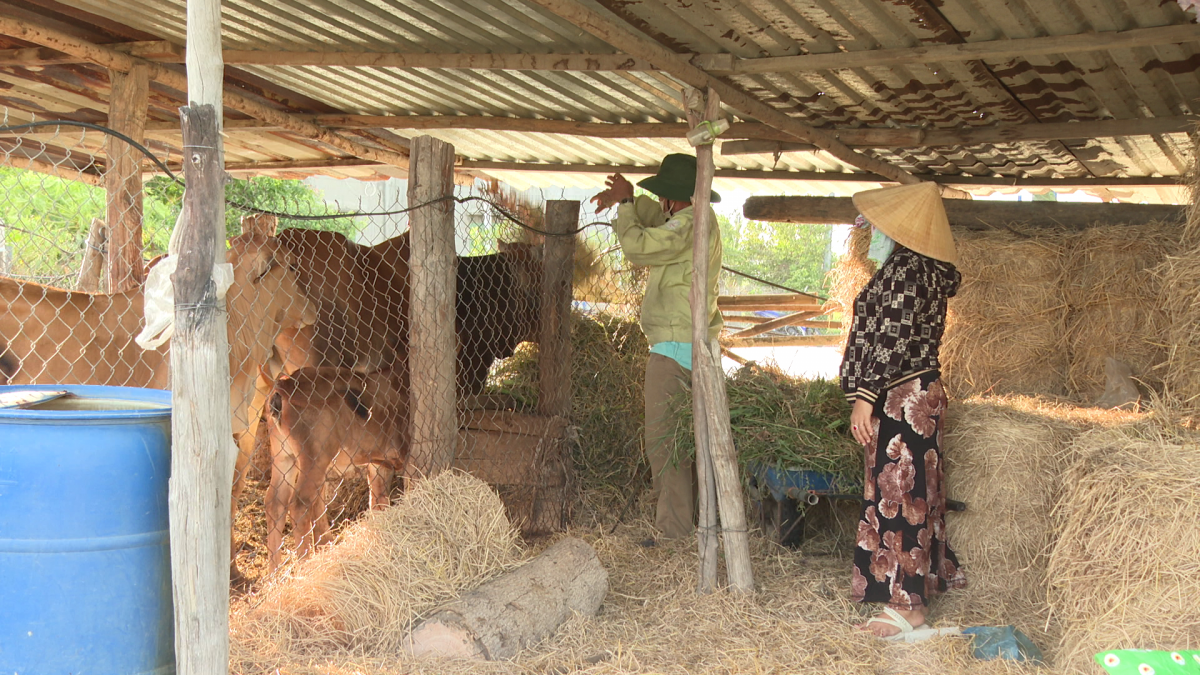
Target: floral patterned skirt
902, 557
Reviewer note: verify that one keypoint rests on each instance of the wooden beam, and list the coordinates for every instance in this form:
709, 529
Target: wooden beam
626, 39
298, 164
115, 60
831, 176
769, 302
975, 215
155, 50
798, 341
780, 322
124, 267
1013, 133
972, 51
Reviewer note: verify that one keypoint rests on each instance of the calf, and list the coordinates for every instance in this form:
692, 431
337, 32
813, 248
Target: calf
329, 418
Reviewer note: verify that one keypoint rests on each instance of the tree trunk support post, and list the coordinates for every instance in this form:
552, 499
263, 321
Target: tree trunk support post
716, 459
202, 449
554, 343
127, 109
433, 269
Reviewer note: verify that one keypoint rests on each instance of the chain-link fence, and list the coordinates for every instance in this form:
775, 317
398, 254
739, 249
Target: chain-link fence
318, 327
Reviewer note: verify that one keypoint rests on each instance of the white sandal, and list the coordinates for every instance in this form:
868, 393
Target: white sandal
894, 619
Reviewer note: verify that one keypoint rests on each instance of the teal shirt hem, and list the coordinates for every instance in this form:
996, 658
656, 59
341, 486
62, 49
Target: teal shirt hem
680, 352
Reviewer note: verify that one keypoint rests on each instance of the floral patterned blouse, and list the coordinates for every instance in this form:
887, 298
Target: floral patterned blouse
898, 323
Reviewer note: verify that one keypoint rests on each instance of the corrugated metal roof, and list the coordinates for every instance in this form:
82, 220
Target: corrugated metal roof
1121, 83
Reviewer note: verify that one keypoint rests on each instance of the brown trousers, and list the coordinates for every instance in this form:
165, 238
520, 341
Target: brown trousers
674, 486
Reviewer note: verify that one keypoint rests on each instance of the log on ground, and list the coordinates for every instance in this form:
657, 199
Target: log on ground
516, 609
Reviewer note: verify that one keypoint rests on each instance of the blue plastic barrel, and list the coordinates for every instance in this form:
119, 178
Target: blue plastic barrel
85, 566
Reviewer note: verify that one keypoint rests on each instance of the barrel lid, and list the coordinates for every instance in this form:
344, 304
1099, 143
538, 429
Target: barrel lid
81, 402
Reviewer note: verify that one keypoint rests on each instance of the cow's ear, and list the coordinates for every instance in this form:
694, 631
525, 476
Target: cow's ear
266, 262
503, 246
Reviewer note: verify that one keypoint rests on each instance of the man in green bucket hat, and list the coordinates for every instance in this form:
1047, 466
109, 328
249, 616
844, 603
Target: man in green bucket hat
658, 235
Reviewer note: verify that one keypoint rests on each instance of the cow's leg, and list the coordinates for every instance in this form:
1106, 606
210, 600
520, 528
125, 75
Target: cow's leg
308, 505
380, 479
280, 495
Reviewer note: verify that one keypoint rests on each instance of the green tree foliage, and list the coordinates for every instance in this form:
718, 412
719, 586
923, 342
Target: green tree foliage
793, 255
44, 220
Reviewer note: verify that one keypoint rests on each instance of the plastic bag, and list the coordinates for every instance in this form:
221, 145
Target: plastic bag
1003, 642
159, 298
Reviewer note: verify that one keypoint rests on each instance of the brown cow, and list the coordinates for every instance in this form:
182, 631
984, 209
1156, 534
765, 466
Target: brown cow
58, 336
329, 418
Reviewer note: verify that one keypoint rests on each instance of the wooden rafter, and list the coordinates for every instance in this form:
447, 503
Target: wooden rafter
627, 39
166, 52
762, 139
115, 60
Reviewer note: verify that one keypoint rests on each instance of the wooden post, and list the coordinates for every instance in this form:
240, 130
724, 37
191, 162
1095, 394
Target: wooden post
706, 499
432, 269
91, 271
201, 456
202, 451
554, 344
123, 178
708, 384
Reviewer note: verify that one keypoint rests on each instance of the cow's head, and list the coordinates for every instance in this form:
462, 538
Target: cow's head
264, 299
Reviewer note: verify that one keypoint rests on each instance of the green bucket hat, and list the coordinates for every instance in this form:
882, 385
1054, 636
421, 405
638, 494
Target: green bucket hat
676, 179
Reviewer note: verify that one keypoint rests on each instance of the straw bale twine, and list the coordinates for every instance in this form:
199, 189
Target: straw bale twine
1125, 570
361, 596
1114, 294
1004, 328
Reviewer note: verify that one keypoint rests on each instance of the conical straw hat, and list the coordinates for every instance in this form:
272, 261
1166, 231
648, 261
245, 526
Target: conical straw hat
912, 215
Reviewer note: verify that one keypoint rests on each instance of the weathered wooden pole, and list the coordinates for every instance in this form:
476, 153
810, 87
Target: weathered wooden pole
554, 343
129, 95
202, 451
706, 498
91, 271
432, 273
708, 383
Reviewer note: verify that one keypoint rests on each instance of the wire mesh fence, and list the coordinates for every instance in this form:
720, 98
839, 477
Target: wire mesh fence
318, 328
319, 321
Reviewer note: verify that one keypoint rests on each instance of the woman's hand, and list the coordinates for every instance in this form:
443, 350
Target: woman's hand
860, 422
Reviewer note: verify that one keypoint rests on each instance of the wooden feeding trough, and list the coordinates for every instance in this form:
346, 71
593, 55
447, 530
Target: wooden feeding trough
524, 458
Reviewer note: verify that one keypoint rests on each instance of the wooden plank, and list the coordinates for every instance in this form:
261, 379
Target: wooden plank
432, 270
512, 423
157, 50
798, 341
768, 301
979, 214
124, 268
554, 344
971, 51
202, 456
768, 326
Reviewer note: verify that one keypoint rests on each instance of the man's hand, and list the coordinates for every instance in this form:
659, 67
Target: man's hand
860, 422
618, 189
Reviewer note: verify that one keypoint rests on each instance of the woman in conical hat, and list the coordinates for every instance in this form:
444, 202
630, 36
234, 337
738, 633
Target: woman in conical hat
890, 375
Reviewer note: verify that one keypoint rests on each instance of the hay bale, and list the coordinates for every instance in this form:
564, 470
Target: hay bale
1125, 570
848, 277
1005, 327
1005, 461
362, 595
1113, 293
1179, 273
